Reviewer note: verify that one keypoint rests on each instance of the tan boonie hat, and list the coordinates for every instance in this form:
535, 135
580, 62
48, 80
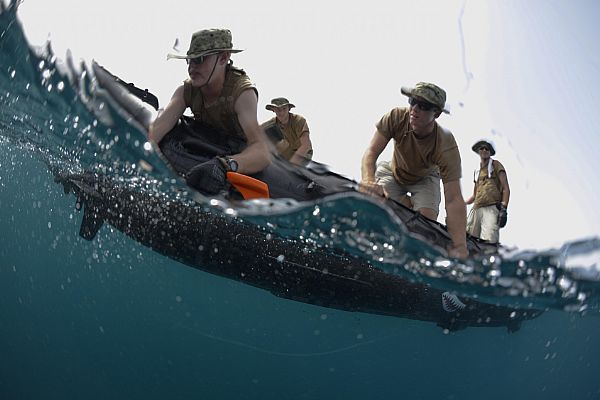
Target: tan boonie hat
208, 41
429, 92
484, 142
279, 102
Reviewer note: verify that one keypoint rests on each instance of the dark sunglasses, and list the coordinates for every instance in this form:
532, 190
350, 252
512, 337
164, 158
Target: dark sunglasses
198, 60
423, 105
484, 148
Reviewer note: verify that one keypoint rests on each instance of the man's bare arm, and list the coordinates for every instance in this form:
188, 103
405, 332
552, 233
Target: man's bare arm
166, 120
471, 199
301, 154
456, 218
257, 155
368, 182
505, 188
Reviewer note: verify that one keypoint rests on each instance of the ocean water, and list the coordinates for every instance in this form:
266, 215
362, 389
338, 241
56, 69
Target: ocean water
110, 318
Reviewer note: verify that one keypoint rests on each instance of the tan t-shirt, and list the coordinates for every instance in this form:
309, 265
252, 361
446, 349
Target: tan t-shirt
416, 158
292, 131
488, 190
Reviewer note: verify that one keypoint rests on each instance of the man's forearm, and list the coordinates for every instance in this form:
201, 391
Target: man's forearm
301, 155
505, 197
456, 214
367, 169
254, 158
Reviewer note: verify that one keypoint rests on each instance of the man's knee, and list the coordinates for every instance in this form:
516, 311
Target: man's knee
406, 201
429, 213
490, 233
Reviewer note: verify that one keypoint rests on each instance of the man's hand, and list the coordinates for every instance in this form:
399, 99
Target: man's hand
502, 215
372, 188
458, 251
209, 177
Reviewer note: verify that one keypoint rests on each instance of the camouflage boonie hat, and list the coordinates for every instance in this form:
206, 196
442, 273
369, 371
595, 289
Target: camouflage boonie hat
429, 92
279, 102
208, 41
484, 142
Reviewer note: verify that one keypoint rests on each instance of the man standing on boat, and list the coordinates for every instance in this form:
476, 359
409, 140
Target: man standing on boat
491, 194
294, 144
221, 97
423, 151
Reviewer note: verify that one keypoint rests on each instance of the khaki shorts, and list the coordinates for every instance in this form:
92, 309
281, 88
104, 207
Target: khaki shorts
483, 223
423, 194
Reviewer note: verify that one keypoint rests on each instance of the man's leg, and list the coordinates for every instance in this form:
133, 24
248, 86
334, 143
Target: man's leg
385, 177
429, 213
474, 223
489, 224
426, 196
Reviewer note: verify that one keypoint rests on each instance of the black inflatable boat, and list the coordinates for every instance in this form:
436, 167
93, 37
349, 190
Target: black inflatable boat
227, 246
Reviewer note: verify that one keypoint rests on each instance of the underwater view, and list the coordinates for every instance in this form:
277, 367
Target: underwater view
117, 280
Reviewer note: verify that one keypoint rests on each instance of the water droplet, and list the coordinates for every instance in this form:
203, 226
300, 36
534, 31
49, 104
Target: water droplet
564, 283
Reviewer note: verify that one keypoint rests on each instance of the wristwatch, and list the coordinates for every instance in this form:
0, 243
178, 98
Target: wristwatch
229, 163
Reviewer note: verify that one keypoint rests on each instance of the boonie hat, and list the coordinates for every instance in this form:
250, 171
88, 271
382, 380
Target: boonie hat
484, 142
279, 102
429, 92
208, 41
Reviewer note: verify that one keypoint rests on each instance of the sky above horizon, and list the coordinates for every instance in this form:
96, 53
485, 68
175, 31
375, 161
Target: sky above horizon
522, 73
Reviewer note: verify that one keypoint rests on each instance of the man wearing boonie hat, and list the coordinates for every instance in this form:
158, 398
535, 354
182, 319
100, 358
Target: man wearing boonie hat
423, 151
221, 97
289, 132
491, 194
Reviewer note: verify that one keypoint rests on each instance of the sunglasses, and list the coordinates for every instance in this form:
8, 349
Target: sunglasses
198, 60
484, 148
423, 105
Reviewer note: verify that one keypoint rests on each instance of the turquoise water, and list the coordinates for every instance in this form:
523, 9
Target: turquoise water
109, 318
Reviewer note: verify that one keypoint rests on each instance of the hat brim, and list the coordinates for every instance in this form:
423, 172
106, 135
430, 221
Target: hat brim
407, 91
480, 143
196, 55
270, 107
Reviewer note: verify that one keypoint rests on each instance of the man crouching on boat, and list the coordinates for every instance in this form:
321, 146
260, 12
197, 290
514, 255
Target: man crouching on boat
423, 151
222, 97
